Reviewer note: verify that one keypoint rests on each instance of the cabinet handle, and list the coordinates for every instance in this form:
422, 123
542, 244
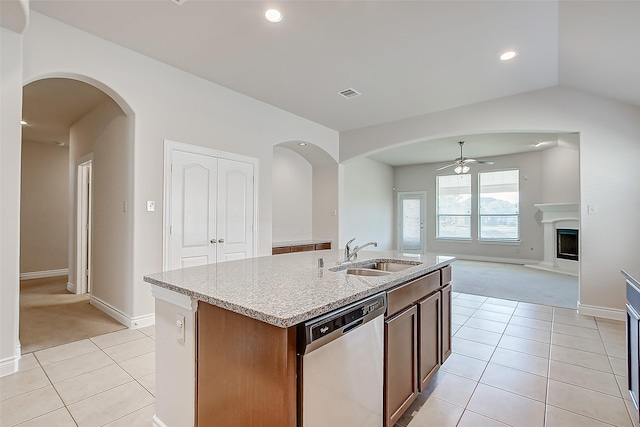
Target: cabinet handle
220, 240
214, 241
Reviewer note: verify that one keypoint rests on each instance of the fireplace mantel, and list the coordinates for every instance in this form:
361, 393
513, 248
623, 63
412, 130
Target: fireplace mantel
554, 216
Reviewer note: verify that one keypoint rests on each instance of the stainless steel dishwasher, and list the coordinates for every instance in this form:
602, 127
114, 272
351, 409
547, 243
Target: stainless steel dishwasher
341, 369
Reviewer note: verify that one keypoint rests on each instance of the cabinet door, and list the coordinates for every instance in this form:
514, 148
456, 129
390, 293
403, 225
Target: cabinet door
400, 373
633, 370
429, 315
445, 344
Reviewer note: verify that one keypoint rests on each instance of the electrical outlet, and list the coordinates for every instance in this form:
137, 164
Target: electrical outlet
151, 205
180, 326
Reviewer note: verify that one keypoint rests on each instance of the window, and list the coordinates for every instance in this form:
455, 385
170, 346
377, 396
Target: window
499, 205
454, 206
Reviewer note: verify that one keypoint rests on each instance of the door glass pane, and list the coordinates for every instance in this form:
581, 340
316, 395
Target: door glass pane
411, 224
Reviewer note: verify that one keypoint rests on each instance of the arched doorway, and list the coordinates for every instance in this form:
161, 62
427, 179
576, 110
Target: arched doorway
74, 209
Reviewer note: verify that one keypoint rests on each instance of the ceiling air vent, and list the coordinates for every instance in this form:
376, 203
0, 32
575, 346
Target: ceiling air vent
349, 93
178, 2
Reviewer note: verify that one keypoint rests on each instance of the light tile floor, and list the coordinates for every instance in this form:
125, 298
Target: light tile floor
108, 380
513, 364
520, 364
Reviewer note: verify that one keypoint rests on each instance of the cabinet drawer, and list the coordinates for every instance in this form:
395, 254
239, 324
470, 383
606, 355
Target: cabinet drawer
446, 275
322, 246
277, 251
409, 293
302, 248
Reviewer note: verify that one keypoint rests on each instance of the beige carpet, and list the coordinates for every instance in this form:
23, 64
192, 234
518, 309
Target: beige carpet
515, 282
51, 316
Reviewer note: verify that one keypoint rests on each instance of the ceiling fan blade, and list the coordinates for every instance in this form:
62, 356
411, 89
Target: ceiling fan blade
448, 166
480, 162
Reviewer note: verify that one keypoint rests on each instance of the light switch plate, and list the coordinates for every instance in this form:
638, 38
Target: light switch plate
151, 205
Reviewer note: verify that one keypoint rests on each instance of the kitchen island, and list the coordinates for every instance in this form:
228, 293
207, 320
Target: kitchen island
226, 333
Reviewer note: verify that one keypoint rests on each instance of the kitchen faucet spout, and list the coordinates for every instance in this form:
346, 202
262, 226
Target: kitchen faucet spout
354, 254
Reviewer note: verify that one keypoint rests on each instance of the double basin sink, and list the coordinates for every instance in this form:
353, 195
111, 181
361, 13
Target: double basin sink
376, 268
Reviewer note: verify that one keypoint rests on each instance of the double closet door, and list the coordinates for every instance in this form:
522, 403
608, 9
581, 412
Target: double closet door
211, 210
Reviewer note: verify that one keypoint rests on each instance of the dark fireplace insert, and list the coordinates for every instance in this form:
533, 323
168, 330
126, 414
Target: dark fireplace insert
567, 243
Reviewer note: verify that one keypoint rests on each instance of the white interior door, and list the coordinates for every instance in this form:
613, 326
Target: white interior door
83, 258
211, 214
412, 236
193, 210
235, 210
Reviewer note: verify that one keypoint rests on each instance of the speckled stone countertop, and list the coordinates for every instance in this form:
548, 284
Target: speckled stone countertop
288, 289
633, 275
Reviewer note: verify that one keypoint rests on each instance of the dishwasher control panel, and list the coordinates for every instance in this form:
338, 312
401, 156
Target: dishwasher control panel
328, 327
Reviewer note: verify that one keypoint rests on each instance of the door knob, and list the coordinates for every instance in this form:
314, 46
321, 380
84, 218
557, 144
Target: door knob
220, 240
214, 241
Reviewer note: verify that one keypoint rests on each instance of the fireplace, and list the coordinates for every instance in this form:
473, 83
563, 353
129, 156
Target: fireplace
567, 243
560, 223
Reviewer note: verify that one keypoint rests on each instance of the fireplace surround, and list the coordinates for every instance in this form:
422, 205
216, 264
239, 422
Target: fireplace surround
560, 216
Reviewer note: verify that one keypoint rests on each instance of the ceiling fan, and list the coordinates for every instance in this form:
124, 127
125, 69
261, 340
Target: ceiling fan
461, 163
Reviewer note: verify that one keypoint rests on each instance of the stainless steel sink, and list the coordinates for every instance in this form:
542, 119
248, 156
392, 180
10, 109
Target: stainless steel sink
366, 272
376, 268
390, 267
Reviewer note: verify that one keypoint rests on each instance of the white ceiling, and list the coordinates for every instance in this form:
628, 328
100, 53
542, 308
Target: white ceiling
407, 58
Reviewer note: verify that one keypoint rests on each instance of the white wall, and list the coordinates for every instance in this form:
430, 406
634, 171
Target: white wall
608, 134
44, 208
167, 104
367, 204
105, 132
10, 136
540, 180
560, 175
292, 196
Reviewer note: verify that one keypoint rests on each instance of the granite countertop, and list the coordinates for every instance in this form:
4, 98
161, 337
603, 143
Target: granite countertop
285, 244
633, 275
288, 289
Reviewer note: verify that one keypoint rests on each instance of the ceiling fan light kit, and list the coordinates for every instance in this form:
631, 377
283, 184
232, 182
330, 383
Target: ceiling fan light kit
462, 163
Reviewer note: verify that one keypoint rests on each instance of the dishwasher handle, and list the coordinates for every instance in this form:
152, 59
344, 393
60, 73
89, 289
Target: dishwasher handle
322, 330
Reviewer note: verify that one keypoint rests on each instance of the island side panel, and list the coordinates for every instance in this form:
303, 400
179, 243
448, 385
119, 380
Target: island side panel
246, 371
175, 362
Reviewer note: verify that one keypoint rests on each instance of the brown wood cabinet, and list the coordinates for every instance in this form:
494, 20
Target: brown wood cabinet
300, 248
245, 371
429, 328
445, 350
401, 363
411, 361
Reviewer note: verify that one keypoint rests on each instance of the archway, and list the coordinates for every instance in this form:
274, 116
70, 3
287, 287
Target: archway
311, 177
89, 125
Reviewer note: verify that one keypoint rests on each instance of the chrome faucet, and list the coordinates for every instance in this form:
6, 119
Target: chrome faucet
350, 255
347, 249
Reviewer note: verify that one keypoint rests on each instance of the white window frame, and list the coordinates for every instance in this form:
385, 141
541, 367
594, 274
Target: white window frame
438, 214
481, 216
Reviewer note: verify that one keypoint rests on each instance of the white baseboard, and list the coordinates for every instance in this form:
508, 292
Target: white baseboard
129, 322
521, 261
551, 269
604, 312
71, 287
156, 422
10, 365
43, 274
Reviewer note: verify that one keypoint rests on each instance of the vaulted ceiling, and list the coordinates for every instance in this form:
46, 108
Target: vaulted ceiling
406, 58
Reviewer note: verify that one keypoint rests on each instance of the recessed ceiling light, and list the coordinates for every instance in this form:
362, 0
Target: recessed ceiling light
302, 144
508, 55
60, 144
273, 15
23, 122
